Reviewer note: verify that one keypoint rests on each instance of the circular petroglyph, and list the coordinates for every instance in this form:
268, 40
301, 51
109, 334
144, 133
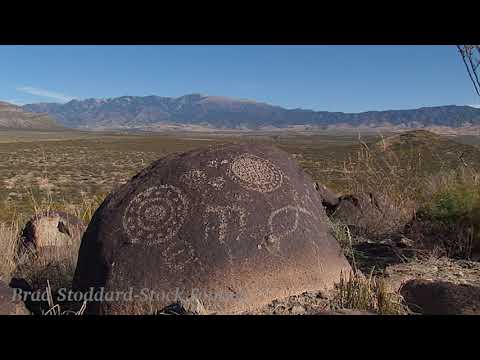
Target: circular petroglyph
255, 173
155, 215
282, 223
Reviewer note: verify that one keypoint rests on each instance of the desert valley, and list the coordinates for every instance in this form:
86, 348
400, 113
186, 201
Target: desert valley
309, 180
398, 199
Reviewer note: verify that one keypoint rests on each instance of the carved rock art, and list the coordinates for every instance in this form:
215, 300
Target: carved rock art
238, 224
282, 223
217, 183
155, 215
255, 173
194, 177
226, 217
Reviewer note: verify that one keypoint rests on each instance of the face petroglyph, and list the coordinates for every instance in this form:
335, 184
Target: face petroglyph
282, 223
254, 173
155, 215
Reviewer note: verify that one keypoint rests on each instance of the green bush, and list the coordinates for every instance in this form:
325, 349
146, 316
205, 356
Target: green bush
453, 204
453, 217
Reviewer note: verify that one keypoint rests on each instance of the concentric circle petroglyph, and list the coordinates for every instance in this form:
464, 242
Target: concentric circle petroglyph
155, 215
255, 173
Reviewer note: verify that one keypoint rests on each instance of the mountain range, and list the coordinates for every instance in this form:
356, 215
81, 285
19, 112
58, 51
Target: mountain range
14, 117
215, 112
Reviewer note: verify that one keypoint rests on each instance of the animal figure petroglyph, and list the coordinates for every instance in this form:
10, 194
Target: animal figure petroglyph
224, 222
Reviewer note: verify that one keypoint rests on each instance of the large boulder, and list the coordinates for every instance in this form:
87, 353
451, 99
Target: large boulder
236, 226
52, 229
441, 297
10, 304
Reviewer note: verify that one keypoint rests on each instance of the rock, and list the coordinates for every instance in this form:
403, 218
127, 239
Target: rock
9, 303
52, 229
403, 242
352, 312
188, 306
193, 305
240, 225
298, 310
441, 297
366, 214
329, 198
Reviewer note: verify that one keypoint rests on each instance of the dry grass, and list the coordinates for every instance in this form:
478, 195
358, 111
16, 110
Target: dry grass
366, 172
360, 292
55, 309
369, 293
9, 234
56, 265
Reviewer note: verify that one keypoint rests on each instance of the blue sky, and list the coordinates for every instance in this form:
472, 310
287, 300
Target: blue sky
331, 78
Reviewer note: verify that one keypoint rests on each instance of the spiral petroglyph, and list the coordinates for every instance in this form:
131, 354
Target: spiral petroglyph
155, 215
254, 173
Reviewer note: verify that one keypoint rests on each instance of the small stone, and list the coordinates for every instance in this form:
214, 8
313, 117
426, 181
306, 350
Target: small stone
404, 242
9, 305
193, 306
298, 310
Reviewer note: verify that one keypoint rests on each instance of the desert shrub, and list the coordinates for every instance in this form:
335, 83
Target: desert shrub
368, 172
445, 204
449, 221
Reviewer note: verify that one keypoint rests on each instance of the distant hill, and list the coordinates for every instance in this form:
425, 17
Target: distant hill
409, 156
431, 151
14, 117
214, 112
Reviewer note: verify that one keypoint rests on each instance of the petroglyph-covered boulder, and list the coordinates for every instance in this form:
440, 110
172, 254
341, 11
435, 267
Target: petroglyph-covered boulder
236, 226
